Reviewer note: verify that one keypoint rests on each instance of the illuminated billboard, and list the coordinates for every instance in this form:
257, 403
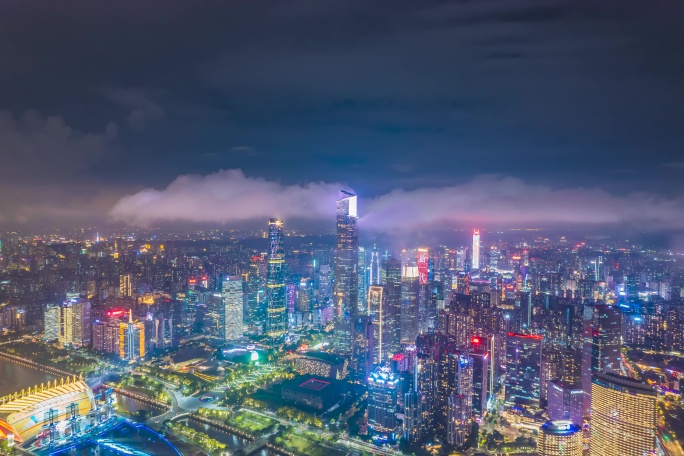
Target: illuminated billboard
422, 262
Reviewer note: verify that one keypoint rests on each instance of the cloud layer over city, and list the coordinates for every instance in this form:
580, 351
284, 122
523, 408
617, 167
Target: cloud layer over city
229, 196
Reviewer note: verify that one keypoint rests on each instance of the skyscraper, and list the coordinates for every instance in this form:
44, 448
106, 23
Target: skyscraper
362, 283
565, 402
51, 322
362, 347
276, 312
480, 363
163, 331
601, 346
409, 304
375, 278
125, 286
346, 270
383, 386
523, 369
75, 326
476, 250
232, 302
623, 417
131, 339
392, 333
377, 309
459, 422
255, 293
414, 409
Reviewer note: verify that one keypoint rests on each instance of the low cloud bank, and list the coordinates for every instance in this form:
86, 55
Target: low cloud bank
226, 196
230, 196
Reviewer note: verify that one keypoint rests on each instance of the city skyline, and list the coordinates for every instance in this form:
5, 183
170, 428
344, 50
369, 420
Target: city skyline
343, 228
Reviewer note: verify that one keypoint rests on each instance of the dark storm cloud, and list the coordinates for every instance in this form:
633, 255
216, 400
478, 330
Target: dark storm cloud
380, 95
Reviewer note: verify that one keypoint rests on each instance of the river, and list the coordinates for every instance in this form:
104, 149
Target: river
133, 405
15, 377
233, 441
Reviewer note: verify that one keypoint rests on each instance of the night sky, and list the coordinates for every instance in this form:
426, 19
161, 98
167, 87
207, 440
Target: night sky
472, 112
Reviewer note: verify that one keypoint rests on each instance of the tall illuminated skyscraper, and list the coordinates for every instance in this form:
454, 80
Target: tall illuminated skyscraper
75, 327
601, 346
362, 283
375, 277
346, 270
131, 339
383, 387
623, 417
409, 304
377, 308
255, 293
232, 304
276, 312
476, 250
392, 323
523, 369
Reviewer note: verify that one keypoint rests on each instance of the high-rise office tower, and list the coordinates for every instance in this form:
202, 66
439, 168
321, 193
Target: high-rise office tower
393, 300
346, 270
276, 311
475, 264
163, 332
459, 325
306, 295
75, 327
362, 283
375, 277
51, 322
423, 264
377, 309
559, 438
131, 339
414, 409
325, 290
571, 366
523, 369
255, 293
425, 382
362, 347
459, 421
550, 370
565, 402
409, 304
106, 336
623, 417
480, 366
125, 286
601, 347
523, 311
383, 386
232, 303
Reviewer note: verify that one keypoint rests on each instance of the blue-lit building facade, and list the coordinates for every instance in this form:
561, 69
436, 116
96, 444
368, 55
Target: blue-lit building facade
346, 259
383, 387
523, 369
276, 312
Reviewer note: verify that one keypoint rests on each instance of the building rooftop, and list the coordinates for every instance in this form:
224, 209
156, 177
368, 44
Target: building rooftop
324, 357
614, 381
312, 384
560, 427
32, 397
